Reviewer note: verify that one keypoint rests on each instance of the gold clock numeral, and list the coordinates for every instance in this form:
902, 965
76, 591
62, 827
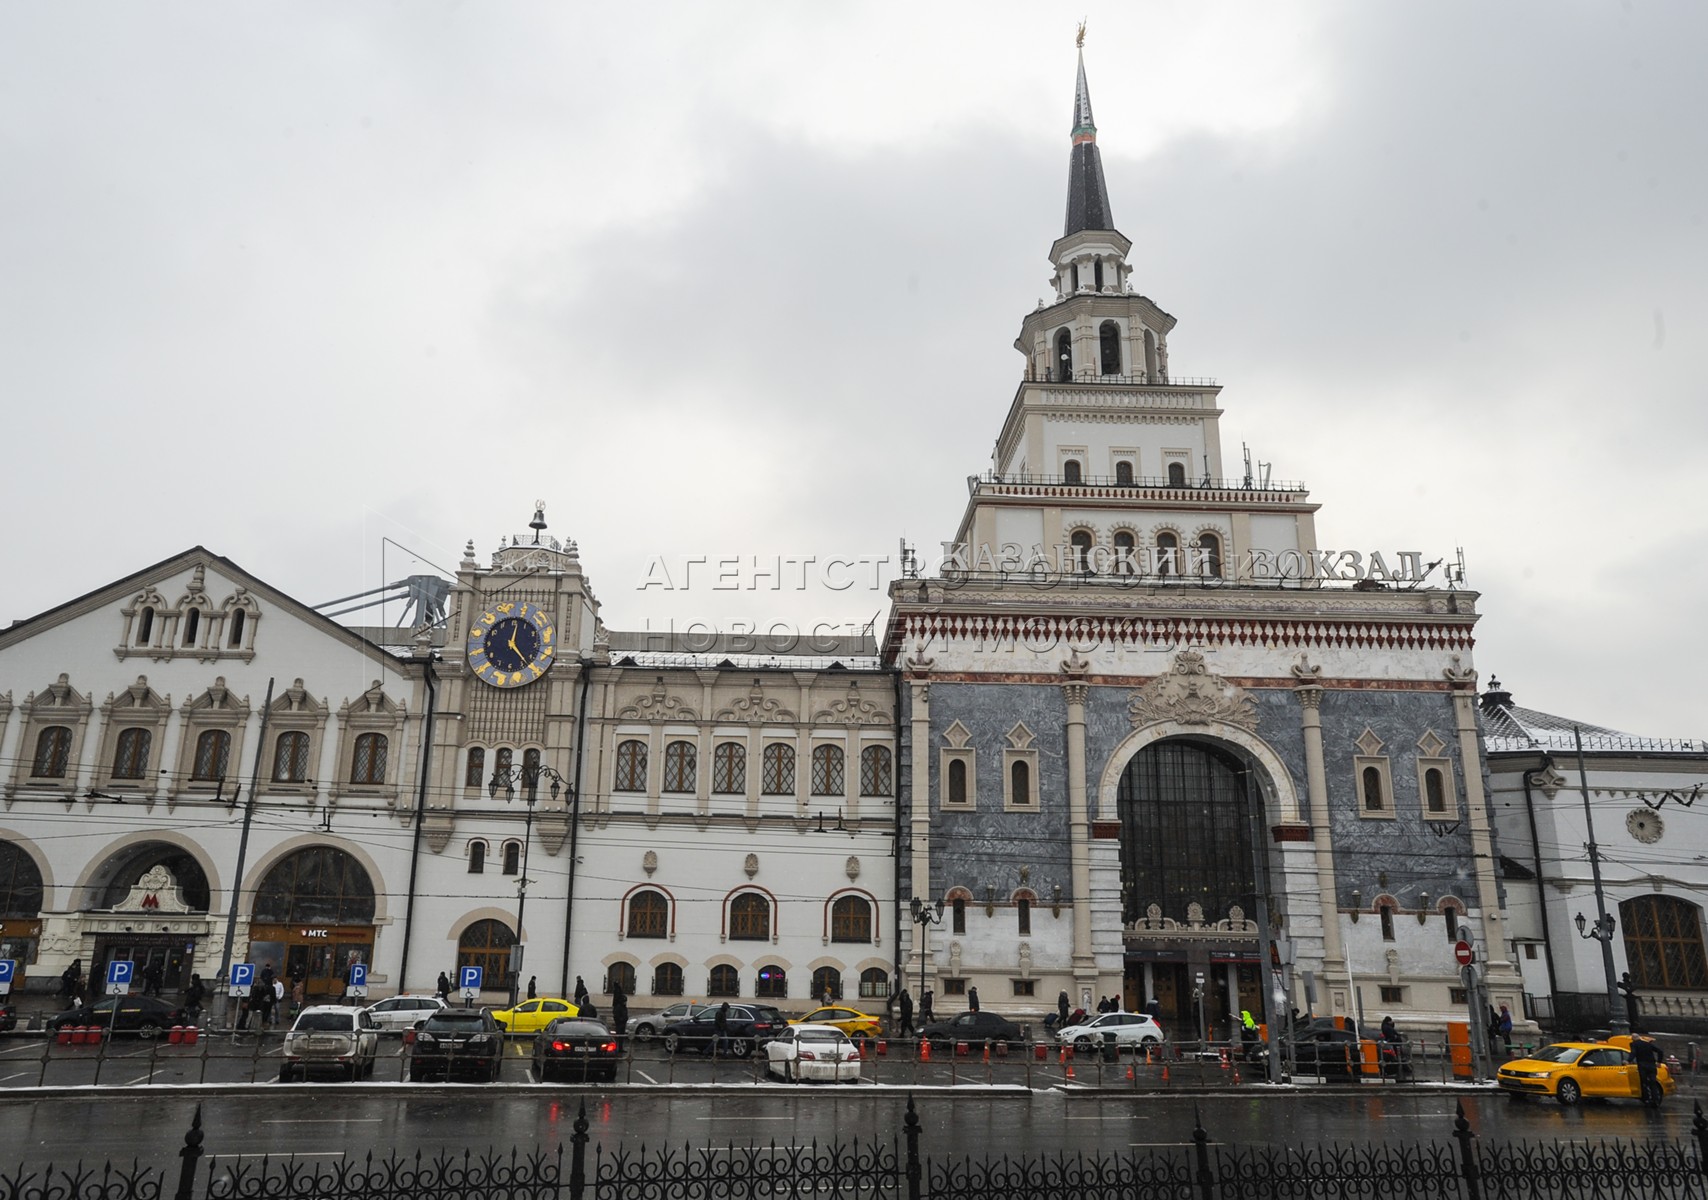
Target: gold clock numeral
489, 618
516, 678
535, 668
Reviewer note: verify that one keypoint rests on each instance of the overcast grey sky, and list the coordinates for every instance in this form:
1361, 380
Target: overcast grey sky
726, 279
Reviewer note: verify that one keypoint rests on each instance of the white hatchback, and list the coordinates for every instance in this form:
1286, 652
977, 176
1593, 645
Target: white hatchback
398, 1014
803, 1052
1130, 1029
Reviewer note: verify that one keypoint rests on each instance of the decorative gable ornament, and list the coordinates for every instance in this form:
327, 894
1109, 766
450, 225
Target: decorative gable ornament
156, 892
659, 706
1190, 695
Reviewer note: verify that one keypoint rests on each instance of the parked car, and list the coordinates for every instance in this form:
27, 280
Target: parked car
531, 1016
458, 1041
1130, 1029
397, 1014
749, 1027
330, 1037
576, 1048
8, 1016
803, 1052
974, 1027
1321, 1050
850, 1021
1570, 1071
145, 1016
651, 1025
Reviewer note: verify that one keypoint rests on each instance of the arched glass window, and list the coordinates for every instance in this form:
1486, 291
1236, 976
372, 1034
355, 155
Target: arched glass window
826, 985
1167, 553
237, 617
1185, 831
20, 884
512, 858
631, 767
1064, 355
123, 870
750, 918
192, 626
876, 774
667, 980
620, 975
486, 944
874, 983
1023, 916
1109, 345
723, 980
729, 768
531, 774
1079, 545
1663, 942
1097, 273
1177, 474
1211, 545
213, 755
827, 770
1124, 473
679, 767
290, 758
367, 765
477, 857
503, 762
130, 760
1374, 800
1434, 791
958, 915
53, 753
958, 781
778, 778
649, 914
1126, 546
1020, 781
1071, 472
851, 920
474, 775
319, 885
145, 627
772, 982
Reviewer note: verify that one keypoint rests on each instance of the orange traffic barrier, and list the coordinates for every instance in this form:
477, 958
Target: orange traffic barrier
191, 1033
175, 1035
883, 1047
960, 1049
924, 1050
63, 1035
1039, 1051
1225, 1058
987, 1051
1236, 1074
1070, 1070
1062, 1058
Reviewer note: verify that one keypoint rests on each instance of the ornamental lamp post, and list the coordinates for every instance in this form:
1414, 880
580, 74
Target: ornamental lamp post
506, 781
924, 916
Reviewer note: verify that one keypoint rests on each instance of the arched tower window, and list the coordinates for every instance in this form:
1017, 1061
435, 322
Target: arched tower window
1125, 545
631, 767
827, 985
1023, 916
668, 980
729, 768
649, 914
20, 883
512, 858
1211, 545
213, 755
875, 771
145, 627
237, 618
1109, 346
1150, 356
1123, 474
679, 767
779, 773
1079, 542
1097, 273
53, 753
290, 758
474, 775
958, 781
130, 760
192, 625
477, 858
723, 980
367, 765
1070, 471
750, 918
531, 774
1374, 800
1663, 942
1064, 354
486, 944
319, 885
1020, 782
828, 775
958, 915
1167, 553
851, 920
1434, 791
1177, 474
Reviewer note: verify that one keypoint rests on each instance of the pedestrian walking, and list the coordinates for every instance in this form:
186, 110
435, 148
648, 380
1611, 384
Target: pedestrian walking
973, 998
926, 1015
1062, 1009
1647, 1052
299, 993
279, 1012
71, 980
1505, 1027
1493, 1027
619, 1010
580, 992
153, 978
444, 987
533, 991
260, 1000
193, 997
720, 1030
906, 1004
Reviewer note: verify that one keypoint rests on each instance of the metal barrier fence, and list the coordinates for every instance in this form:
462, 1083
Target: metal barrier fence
1460, 1167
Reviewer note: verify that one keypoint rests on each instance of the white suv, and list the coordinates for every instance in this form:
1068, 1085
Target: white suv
1130, 1029
330, 1037
398, 1014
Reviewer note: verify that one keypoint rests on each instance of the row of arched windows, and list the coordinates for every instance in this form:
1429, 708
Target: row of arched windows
649, 915
770, 982
510, 856
777, 769
1168, 558
1074, 473
133, 748
192, 622
503, 763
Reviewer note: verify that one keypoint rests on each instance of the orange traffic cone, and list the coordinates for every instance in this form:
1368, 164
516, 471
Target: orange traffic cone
1062, 1057
1129, 1072
987, 1051
1165, 1072
924, 1050
1070, 1071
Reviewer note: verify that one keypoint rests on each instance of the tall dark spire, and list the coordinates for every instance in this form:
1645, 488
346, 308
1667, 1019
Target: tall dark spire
1088, 195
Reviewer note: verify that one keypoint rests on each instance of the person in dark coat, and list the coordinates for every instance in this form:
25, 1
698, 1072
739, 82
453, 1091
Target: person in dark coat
619, 1010
926, 1015
906, 1003
720, 1029
193, 997
1647, 1053
71, 981
533, 990
153, 979
443, 988
1153, 1009
973, 998
580, 993
1063, 1007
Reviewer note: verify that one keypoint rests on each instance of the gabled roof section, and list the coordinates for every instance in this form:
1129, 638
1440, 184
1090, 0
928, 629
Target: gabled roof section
1509, 728
1088, 195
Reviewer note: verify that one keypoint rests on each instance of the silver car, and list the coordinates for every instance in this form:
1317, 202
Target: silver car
645, 1028
1130, 1029
330, 1037
399, 1014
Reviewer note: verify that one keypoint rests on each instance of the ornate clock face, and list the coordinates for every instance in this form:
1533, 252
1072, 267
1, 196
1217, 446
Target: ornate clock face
511, 644
1644, 825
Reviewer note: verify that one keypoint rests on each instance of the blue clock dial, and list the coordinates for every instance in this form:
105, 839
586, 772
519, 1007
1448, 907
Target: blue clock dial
512, 644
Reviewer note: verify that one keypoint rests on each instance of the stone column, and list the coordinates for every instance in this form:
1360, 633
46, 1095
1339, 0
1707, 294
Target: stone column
1310, 694
919, 817
1500, 970
1079, 835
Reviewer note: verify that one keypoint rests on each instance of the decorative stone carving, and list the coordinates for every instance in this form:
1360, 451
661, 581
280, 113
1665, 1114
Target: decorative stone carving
1020, 737
851, 711
919, 663
649, 862
1190, 695
1458, 674
756, 708
957, 735
1153, 922
851, 868
1548, 780
1429, 745
156, 892
1369, 745
1025, 960
750, 865
658, 706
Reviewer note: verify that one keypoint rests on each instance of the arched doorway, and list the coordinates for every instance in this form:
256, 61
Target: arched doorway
1191, 868
159, 893
20, 908
313, 917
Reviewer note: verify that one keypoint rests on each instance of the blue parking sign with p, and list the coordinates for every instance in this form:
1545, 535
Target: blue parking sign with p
242, 978
358, 979
468, 978
119, 976
8, 971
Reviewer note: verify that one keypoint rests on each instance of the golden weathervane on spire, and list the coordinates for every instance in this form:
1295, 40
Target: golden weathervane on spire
1080, 40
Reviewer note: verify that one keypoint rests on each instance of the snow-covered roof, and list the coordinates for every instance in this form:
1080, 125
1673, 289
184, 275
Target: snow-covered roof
1508, 727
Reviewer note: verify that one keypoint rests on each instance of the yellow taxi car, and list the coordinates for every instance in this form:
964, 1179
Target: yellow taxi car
1570, 1071
531, 1016
850, 1021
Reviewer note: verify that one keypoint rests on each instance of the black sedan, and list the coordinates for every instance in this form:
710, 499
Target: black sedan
458, 1041
975, 1028
746, 1028
145, 1016
1323, 1052
577, 1048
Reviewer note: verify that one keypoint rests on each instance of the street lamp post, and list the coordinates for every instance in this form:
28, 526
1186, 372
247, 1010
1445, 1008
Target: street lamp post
1603, 930
506, 781
924, 916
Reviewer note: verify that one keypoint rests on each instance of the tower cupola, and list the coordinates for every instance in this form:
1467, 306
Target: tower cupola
1091, 255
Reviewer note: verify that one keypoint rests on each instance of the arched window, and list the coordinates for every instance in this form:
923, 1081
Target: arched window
319, 885
1434, 791
1020, 781
1126, 547
192, 626
1185, 811
874, 983
123, 870
729, 768
772, 982
20, 884
290, 757
213, 755
1663, 942
237, 617
1167, 553
1385, 912
827, 773
1064, 356
503, 762
679, 767
1109, 345
1452, 915
1071, 472
958, 781
512, 857
130, 760
1079, 546
1211, 545
367, 765
958, 915
1023, 916
723, 980
1374, 800
486, 944
620, 975
778, 778
477, 857
53, 753
826, 982
876, 774
851, 920
750, 918
649, 914
531, 774
631, 767
1124, 473
1150, 357
1097, 273
474, 775
667, 980
1177, 474
145, 627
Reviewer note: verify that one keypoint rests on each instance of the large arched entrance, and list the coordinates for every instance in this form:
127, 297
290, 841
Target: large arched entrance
149, 905
20, 908
313, 917
1191, 868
